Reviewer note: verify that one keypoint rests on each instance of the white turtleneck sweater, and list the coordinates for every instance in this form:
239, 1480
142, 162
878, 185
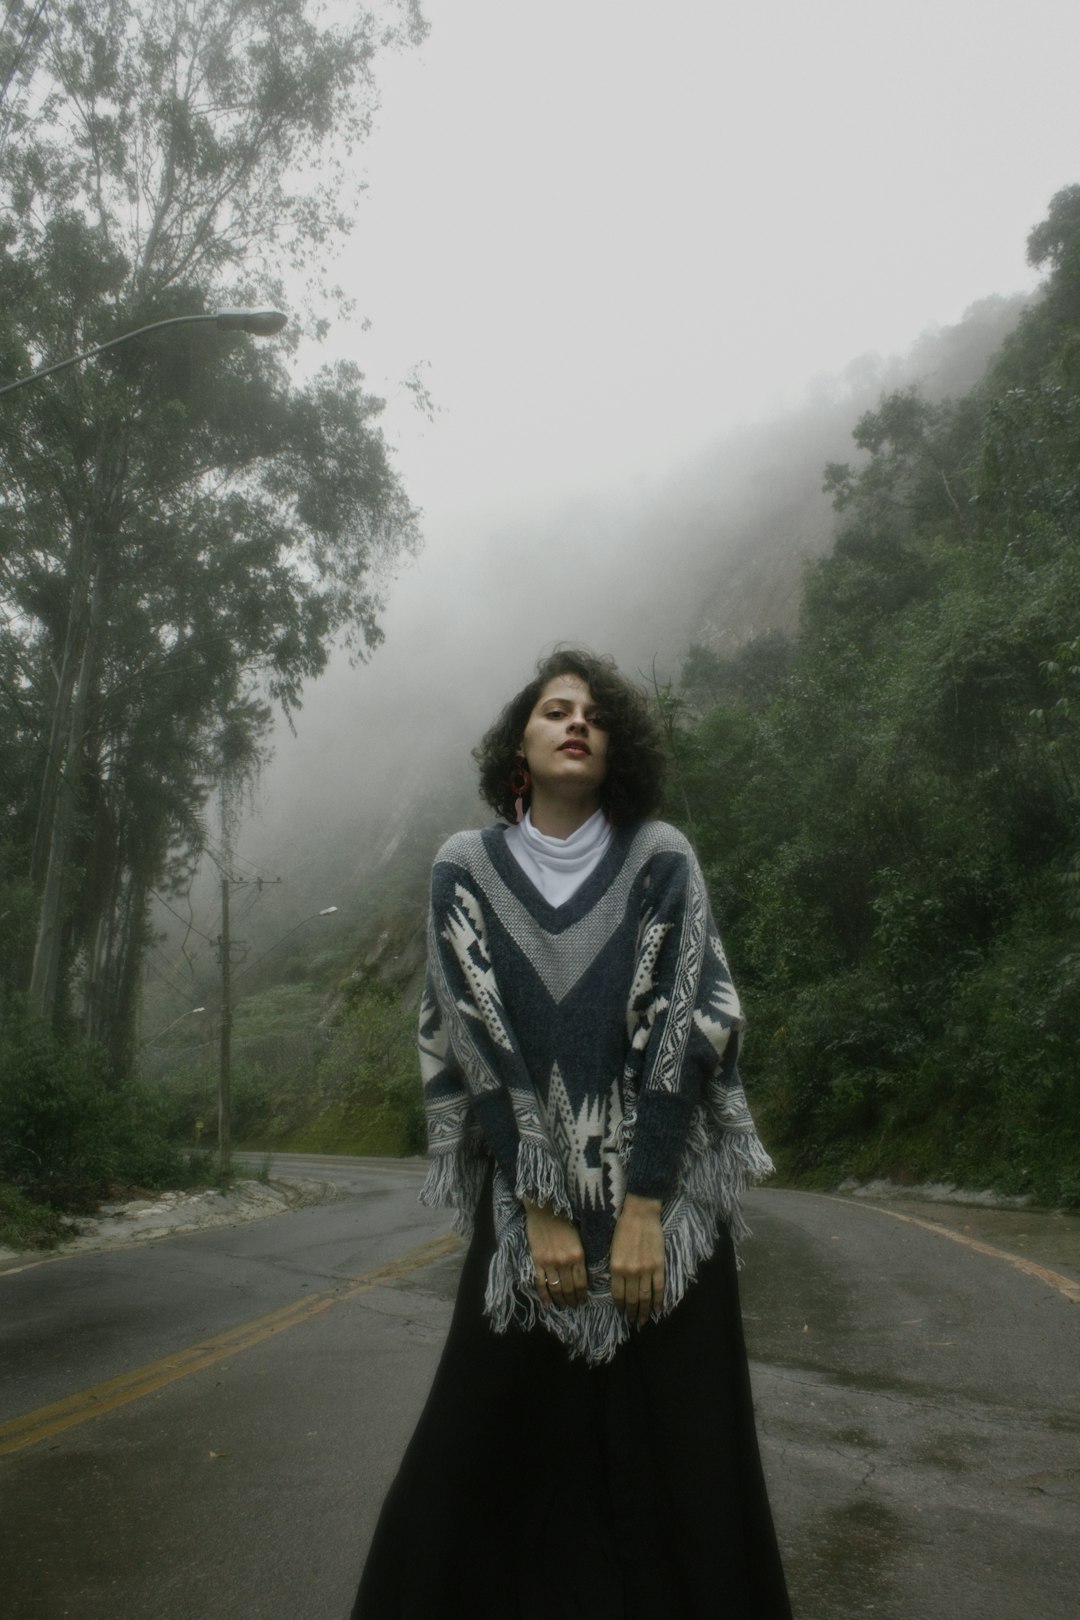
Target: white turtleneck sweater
559, 866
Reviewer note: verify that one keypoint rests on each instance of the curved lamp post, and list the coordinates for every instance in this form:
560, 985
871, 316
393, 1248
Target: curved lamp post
155, 1038
258, 322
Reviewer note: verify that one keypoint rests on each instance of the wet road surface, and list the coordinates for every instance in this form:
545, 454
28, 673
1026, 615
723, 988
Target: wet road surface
918, 1403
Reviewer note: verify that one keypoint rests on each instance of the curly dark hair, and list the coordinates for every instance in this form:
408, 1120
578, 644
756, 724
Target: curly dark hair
634, 784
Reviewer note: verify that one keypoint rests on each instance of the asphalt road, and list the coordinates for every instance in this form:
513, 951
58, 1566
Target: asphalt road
202, 1428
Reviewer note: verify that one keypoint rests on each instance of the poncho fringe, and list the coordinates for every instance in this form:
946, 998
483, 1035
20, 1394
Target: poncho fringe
714, 1176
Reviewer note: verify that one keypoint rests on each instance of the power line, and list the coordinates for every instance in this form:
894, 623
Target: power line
21, 48
224, 858
188, 924
165, 978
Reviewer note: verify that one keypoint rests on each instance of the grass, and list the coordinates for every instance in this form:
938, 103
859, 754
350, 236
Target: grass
378, 1132
26, 1225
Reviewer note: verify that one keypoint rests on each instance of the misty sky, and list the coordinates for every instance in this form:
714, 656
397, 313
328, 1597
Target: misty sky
613, 230
614, 227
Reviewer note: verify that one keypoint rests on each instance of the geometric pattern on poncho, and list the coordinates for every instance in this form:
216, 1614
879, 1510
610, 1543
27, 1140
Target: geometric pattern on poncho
587, 1050
584, 1141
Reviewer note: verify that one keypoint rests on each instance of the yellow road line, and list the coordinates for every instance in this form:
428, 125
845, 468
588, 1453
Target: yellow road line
1053, 1279
33, 1427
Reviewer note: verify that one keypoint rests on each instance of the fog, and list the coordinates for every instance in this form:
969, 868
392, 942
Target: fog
653, 262
713, 553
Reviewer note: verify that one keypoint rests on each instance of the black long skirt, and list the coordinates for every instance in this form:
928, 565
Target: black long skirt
539, 1488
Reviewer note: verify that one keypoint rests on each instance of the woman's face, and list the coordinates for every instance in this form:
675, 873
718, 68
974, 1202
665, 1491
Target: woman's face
564, 743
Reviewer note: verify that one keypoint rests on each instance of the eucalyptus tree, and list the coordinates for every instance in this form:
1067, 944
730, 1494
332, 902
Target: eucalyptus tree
184, 530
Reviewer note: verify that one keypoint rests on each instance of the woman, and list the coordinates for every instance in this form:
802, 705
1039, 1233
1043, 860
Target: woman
588, 1448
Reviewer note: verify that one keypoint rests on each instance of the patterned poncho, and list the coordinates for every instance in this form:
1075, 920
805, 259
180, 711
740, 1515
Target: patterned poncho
589, 1050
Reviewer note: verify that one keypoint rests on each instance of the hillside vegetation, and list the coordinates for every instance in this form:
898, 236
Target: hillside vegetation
887, 804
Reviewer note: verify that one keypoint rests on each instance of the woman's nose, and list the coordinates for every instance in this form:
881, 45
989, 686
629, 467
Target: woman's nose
577, 723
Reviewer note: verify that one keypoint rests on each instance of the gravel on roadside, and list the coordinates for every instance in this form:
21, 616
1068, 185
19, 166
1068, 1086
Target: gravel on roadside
158, 1215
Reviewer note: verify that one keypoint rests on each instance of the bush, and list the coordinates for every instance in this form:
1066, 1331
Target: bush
26, 1225
189, 1096
69, 1131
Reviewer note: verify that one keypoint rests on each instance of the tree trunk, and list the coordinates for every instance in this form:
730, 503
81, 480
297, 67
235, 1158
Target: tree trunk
70, 656
45, 975
127, 939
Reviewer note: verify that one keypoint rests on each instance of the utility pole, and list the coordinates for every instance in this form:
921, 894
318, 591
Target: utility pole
225, 1071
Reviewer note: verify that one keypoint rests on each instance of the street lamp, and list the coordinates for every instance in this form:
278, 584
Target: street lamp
225, 1069
189, 1014
258, 322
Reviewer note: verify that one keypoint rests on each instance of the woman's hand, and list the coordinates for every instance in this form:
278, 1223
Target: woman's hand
637, 1258
557, 1255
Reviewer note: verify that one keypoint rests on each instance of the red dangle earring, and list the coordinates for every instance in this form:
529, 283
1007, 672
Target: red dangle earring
520, 783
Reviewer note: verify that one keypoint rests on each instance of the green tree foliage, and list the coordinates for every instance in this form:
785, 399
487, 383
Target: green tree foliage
890, 819
184, 531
